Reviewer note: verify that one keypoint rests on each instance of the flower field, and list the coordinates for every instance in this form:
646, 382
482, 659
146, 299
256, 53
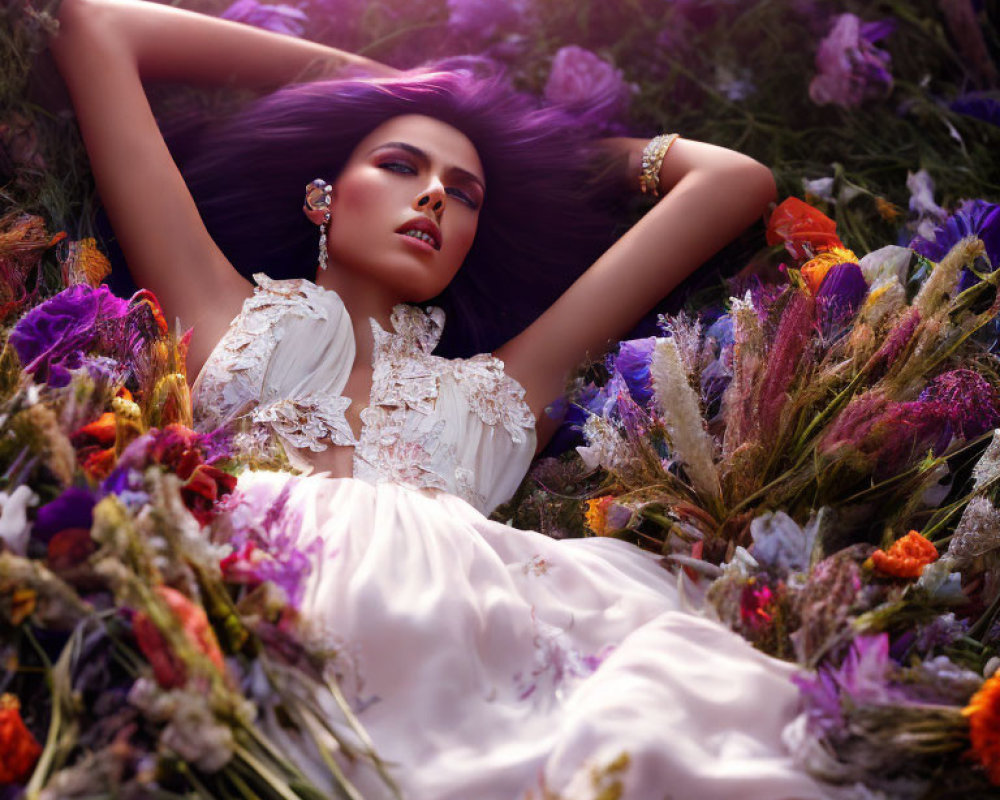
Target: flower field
805, 432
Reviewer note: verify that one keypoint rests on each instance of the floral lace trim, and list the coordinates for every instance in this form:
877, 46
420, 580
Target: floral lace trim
303, 422
495, 397
232, 377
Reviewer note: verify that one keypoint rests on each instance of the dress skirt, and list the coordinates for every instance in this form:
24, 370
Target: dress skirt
490, 663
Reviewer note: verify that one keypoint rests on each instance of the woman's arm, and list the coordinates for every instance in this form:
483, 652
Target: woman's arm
104, 49
712, 195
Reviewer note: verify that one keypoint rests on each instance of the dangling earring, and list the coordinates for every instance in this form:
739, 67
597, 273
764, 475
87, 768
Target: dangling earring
318, 196
322, 240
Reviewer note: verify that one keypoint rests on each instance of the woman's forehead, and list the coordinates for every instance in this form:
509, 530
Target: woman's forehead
440, 141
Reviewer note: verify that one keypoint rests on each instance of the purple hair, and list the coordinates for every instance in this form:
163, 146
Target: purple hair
541, 225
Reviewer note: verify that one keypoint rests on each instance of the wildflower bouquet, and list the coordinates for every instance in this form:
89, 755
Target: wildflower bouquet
774, 450
141, 659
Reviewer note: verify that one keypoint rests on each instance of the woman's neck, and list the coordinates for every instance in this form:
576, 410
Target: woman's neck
364, 299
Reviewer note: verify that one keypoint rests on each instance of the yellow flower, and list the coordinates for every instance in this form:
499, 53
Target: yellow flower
814, 270
596, 515
983, 712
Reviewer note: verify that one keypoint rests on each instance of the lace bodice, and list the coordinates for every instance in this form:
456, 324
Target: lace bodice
277, 378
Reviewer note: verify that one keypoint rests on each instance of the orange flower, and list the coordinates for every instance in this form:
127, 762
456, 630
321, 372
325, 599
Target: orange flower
19, 749
804, 230
596, 515
814, 270
98, 463
169, 670
906, 558
102, 430
85, 263
889, 211
983, 712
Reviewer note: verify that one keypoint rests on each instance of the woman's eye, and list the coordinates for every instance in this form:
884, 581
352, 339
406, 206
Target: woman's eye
462, 197
398, 166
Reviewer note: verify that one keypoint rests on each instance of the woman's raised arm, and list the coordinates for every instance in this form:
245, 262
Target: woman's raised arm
712, 195
104, 49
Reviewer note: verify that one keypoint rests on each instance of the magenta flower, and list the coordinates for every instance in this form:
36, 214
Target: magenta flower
278, 18
484, 19
54, 336
850, 68
582, 79
968, 404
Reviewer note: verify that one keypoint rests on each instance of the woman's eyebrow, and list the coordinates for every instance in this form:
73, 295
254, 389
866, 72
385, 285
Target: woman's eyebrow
416, 152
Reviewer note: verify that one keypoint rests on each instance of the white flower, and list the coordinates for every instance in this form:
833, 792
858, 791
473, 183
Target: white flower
605, 446
779, 541
823, 189
921, 187
14, 526
885, 265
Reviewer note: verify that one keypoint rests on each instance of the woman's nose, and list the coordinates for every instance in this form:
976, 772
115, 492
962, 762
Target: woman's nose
433, 198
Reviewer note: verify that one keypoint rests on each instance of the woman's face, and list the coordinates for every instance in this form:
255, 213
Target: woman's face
405, 208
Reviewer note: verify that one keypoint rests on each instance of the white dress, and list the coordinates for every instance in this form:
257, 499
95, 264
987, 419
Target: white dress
485, 662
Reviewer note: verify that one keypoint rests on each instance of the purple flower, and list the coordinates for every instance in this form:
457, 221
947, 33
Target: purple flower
850, 67
54, 336
632, 363
980, 105
265, 538
279, 18
483, 19
864, 678
72, 509
840, 295
973, 218
580, 78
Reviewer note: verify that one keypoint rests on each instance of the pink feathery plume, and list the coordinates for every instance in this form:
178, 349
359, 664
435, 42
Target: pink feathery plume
896, 341
784, 359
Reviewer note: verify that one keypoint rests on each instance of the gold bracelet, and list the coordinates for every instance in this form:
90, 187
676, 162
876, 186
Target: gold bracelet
652, 159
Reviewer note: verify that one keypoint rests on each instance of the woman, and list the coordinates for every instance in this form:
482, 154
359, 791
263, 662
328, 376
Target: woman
484, 662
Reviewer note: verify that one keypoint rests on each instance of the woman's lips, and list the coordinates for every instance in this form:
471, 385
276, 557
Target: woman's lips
419, 244
422, 228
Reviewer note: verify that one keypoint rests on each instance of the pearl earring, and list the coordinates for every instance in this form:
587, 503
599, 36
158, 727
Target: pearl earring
318, 197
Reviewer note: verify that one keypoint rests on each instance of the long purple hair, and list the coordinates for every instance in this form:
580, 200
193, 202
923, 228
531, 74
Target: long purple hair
544, 220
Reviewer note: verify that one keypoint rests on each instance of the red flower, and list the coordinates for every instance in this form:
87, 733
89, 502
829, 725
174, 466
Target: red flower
98, 463
804, 230
148, 298
18, 748
69, 548
169, 670
205, 486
